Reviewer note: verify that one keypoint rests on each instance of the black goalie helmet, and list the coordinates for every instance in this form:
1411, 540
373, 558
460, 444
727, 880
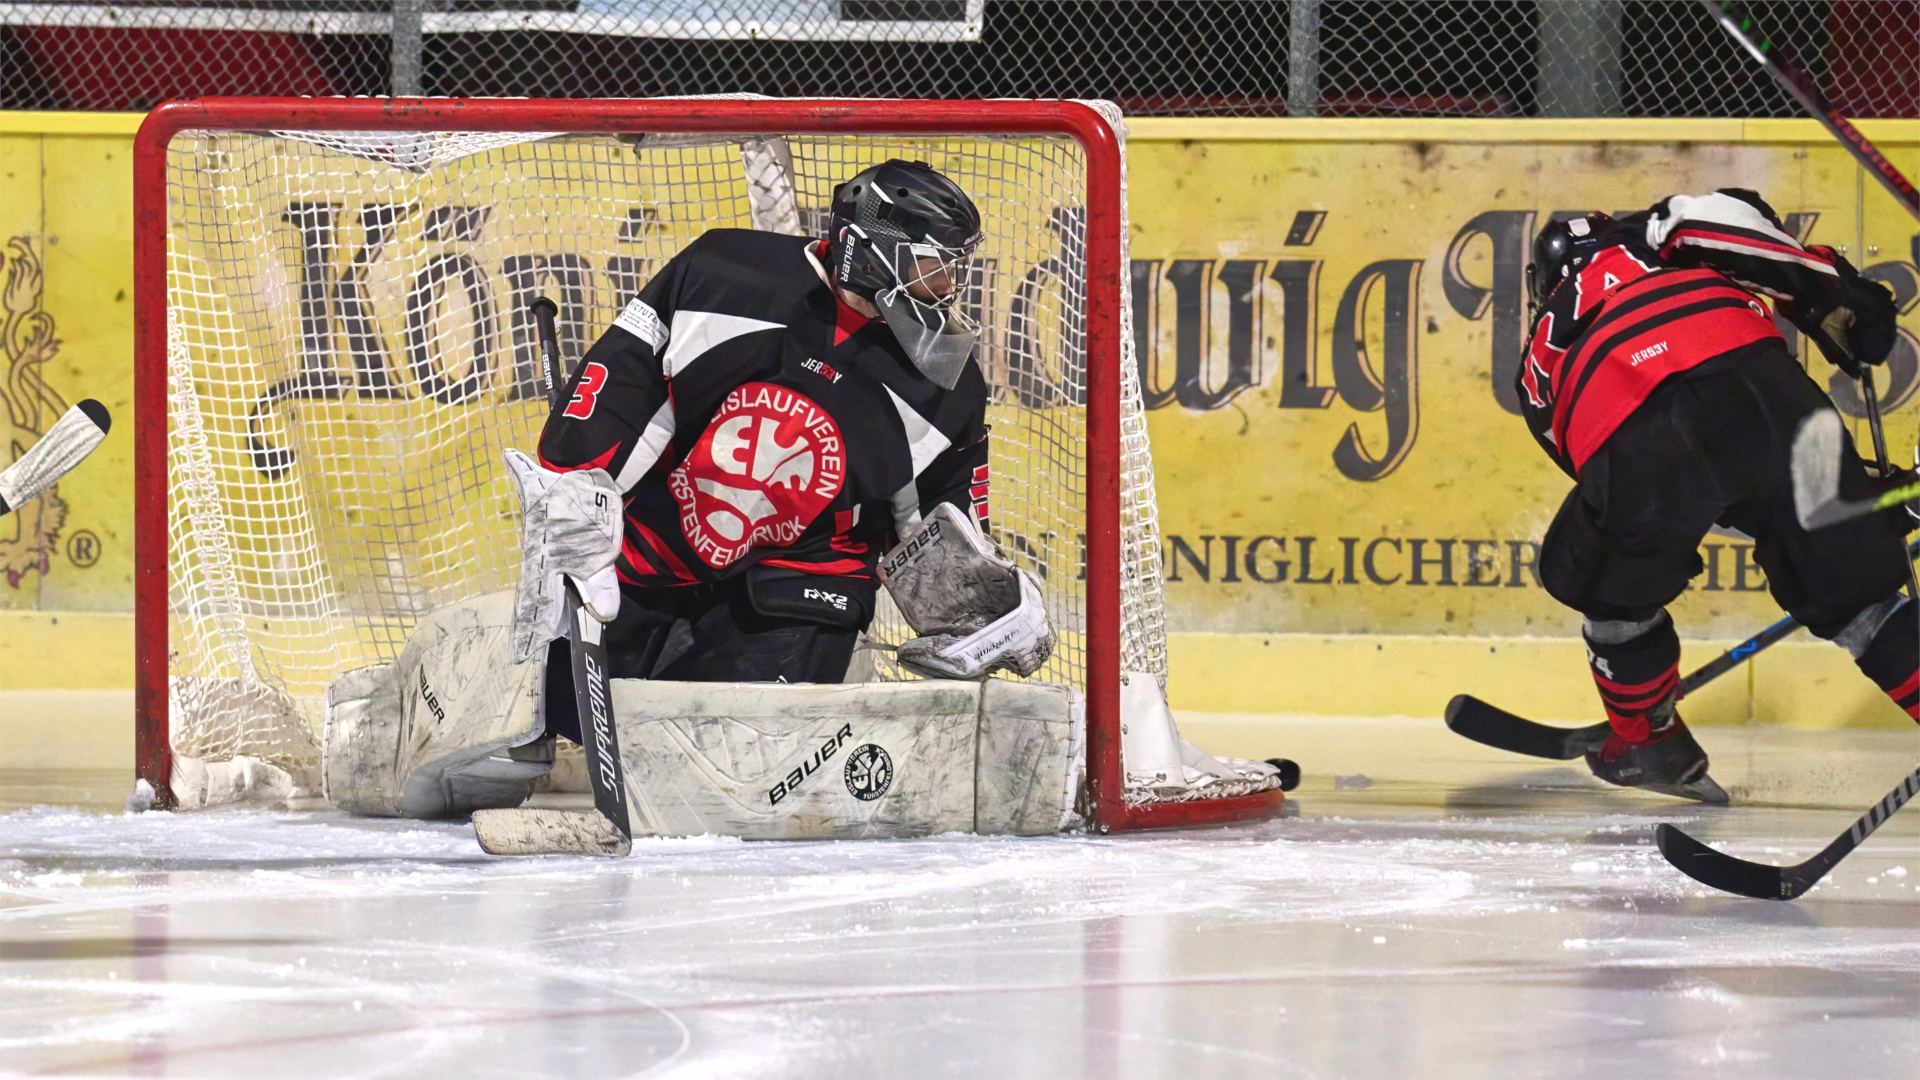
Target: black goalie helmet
903, 238
1561, 250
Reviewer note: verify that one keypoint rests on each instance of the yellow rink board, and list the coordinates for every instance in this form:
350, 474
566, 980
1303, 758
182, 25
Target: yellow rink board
1327, 379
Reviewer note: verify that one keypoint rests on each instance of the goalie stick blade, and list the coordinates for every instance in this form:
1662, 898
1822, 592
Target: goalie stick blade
1722, 871
543, 831
64, 446
1483, 723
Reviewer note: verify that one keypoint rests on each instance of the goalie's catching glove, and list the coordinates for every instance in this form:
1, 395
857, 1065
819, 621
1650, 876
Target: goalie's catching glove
570, 524
975, 612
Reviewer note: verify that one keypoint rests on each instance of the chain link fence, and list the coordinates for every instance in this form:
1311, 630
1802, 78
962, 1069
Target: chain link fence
1556, 58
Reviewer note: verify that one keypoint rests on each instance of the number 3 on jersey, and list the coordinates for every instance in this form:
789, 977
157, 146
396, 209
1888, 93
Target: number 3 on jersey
587, 392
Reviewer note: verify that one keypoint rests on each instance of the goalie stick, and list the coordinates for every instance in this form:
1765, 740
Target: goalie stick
1803, 90
534, 831
65, 445
1762, 882
1493, 726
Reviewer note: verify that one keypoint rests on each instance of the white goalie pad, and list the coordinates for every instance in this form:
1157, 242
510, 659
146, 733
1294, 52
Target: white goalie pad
1163, 767
974, 611
430, 735
772, 761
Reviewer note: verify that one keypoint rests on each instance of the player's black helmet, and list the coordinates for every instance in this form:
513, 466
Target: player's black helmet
1559, 252
903, 238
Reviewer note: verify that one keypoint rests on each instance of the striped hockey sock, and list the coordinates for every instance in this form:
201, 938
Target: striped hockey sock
1637, 679
1892, 660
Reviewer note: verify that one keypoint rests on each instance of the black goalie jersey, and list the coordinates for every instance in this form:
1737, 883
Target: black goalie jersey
751, 418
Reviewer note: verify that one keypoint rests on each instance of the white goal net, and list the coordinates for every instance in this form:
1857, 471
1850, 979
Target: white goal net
349, 352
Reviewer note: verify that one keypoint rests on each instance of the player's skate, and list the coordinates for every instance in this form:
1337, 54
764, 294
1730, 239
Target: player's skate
1669, 762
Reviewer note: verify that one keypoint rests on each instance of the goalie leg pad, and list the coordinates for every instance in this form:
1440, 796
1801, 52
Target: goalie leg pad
773, 761
426, 736
1032, 760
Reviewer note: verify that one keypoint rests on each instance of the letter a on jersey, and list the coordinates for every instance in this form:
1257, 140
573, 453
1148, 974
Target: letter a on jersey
767, 465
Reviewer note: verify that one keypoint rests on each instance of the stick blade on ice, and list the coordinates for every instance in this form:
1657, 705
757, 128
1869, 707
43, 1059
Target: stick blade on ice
546, 831
1722, 871
65, 445
1492, 726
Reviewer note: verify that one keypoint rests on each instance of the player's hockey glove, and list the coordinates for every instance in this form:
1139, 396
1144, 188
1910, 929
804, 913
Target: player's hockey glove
571, 524
1859, 329
975, 612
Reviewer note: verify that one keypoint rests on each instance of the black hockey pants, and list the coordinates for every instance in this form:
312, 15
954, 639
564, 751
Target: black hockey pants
1714, 446
704, 633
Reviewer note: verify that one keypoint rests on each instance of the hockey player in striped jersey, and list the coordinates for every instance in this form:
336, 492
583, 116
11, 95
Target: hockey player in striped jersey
1656, 378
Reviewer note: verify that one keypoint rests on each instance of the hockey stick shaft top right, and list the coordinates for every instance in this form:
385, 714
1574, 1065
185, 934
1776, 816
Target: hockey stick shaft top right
1803, 90
64, 446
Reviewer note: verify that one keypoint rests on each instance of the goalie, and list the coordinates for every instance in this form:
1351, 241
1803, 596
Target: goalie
720, 479
773, 412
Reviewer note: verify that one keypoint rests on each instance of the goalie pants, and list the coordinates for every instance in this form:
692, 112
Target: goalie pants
702, 633
1714, 446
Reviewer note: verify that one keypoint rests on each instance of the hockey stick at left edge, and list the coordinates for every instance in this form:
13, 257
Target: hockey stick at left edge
64, 446
541, 831
1762, 882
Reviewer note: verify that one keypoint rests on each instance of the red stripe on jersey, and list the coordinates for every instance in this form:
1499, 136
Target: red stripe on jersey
1596, 282
979, 492
1765, 247
847, 322
1543, 359
666, 556
1618, 362
836, 568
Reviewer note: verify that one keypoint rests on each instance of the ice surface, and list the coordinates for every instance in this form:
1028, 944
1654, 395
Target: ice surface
1518, 925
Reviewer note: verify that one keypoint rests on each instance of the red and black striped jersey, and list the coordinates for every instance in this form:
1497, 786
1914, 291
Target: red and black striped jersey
1670, 288
752, 418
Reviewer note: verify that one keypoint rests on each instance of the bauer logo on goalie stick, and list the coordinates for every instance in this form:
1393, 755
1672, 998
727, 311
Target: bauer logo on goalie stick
869, 772
799, 775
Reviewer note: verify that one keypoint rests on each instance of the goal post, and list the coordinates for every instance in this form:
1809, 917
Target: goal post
328, 360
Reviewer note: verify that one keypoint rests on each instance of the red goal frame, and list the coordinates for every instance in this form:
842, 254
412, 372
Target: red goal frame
1110, 812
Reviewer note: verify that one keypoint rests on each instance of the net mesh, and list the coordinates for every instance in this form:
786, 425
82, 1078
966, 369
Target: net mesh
350, 352
1154, 57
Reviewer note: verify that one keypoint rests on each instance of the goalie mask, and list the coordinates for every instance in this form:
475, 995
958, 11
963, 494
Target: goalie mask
1561, 250
903, 238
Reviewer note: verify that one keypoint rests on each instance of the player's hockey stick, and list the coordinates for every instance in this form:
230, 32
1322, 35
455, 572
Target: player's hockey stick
66, 444
1502, 730
540, 831
1803, 90
1762, 882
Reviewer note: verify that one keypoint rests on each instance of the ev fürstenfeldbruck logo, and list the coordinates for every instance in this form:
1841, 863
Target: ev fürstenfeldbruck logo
869, 772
